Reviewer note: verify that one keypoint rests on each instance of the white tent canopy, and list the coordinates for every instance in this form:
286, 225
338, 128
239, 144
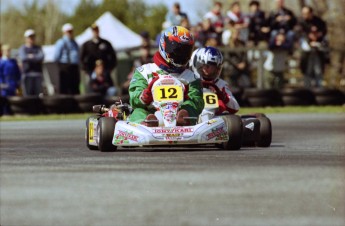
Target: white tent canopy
111, 29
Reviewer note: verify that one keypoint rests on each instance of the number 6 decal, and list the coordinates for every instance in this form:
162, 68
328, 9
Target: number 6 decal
211, 100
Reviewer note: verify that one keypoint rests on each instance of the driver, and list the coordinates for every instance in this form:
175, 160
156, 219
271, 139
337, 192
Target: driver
207, 62
175, 49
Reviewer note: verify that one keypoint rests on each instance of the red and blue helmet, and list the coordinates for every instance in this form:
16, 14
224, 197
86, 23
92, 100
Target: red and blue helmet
176, 46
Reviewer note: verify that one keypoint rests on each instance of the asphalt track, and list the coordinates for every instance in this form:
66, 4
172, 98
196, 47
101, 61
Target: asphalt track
48, 177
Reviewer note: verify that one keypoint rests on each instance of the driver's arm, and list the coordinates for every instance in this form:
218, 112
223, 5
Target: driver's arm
136, 87
195, 103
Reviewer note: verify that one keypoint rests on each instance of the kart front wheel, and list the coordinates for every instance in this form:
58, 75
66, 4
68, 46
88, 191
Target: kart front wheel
105, 128
235, 132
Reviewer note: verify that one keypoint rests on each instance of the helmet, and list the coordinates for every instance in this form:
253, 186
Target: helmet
176, 46
207, 56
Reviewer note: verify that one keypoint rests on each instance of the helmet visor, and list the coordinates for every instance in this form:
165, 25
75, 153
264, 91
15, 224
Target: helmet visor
179, 53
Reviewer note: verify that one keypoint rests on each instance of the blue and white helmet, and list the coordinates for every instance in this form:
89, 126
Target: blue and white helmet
206, 56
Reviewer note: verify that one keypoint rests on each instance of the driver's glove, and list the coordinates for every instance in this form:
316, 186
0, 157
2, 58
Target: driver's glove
222, 94
146, 95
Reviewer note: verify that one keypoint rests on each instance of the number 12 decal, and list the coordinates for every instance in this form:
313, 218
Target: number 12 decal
172, 93
168, 93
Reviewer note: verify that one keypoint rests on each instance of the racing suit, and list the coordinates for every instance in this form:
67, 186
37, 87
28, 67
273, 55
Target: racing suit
226, 99
143, 75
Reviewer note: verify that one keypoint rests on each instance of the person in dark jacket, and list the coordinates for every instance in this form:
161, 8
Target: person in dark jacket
314, 46
31, 56
282, 20
258, 30
97, 49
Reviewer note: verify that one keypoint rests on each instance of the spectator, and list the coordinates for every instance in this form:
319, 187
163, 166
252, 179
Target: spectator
185, 23
145, 36
276, 62
226, 35
238, 64
238, 20
196, 31
9, 76
175, 16
31, 56
314, 46
67, 55
208, 34
97, 49
258, 30
101, 81
145, 58
282, 20
216, 18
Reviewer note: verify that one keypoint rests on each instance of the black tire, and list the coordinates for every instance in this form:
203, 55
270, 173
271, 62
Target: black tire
297, 96
3, 103
262, 97
106, 126
325, 96
30, 105
235, 132
60, 104
87, 134
251, 131
265, 137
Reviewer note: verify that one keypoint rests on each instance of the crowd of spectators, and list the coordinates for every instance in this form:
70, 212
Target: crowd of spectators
96, 59
238, 31
280, 30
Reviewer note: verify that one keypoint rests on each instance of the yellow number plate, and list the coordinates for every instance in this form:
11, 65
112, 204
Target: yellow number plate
168, 93
211, 100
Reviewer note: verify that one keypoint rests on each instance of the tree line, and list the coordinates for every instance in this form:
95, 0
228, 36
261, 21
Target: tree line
46, 19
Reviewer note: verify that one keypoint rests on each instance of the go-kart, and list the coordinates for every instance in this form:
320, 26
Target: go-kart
257, 127
111, 127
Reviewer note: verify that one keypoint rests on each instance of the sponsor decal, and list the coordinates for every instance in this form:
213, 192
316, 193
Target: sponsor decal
210, 122
169, 115
169, 106
218, 133
250, 126
173, 130
140, 69
173, 136
123, 137
168, 82
132, 124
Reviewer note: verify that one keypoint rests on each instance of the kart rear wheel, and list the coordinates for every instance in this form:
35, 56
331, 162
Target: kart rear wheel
105, 128
87, 134
235, 132
265, 132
